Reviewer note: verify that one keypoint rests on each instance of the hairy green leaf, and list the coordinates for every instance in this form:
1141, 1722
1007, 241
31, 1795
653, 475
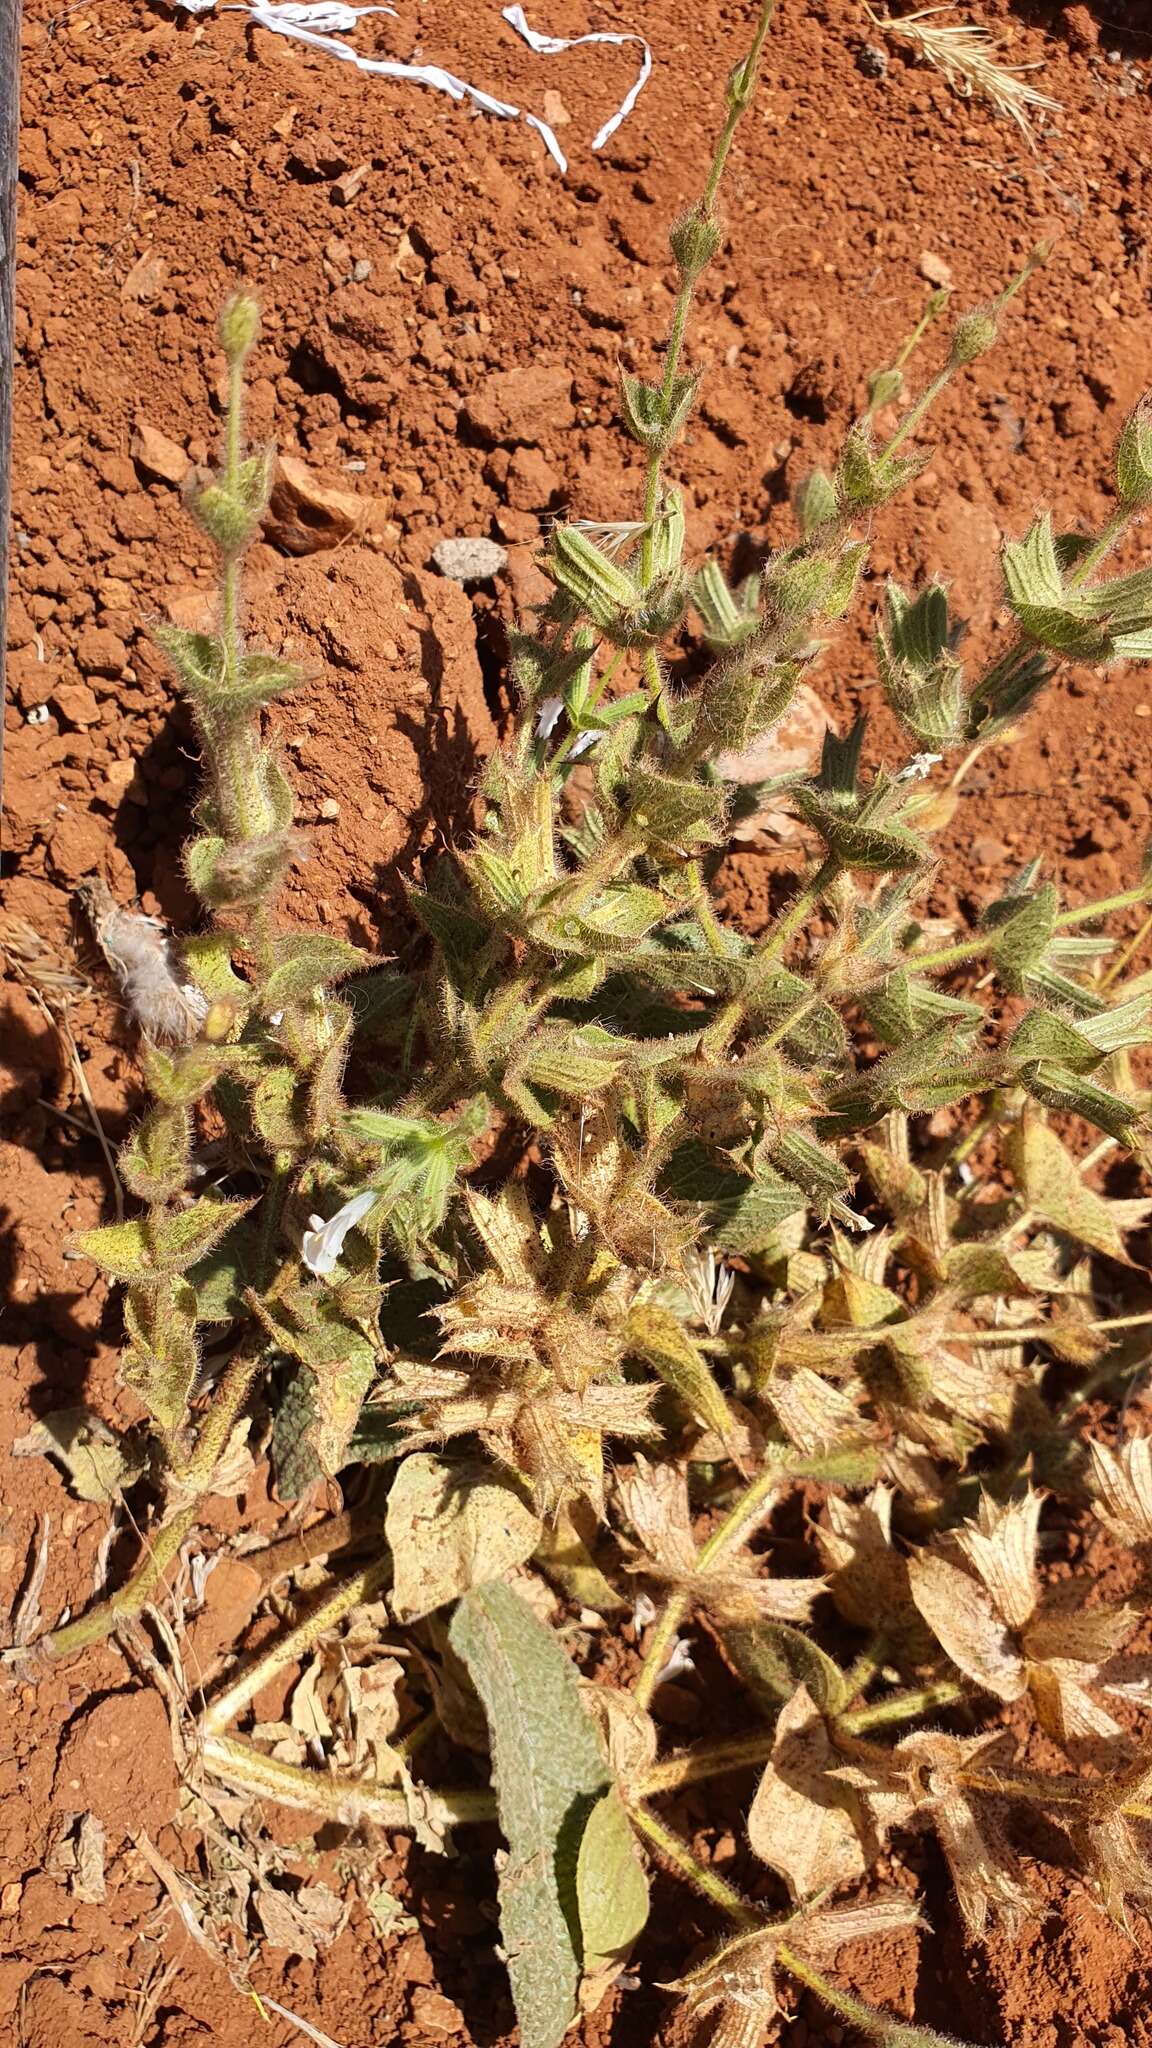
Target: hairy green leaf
550, 1773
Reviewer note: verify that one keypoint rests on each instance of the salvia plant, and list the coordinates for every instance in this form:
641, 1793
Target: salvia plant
629, 1226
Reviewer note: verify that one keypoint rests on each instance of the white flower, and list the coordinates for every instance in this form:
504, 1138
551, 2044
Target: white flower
322, 1243
583, 741
919, 766
546, 716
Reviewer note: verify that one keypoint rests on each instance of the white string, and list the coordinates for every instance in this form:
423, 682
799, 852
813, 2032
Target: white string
552, 46
317, 24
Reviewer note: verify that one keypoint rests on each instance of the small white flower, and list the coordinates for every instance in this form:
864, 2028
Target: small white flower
547, 715
583, 741
644, 1610
918, 767
322, 1243
679, 1660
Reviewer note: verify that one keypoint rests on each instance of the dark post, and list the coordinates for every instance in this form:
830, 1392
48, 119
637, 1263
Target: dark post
9, 139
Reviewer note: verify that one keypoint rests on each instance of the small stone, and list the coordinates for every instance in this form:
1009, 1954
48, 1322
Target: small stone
100, 652
435, 2014
304, 516
522, 405
469, 559
158, 456
871, 60
77, 703
145, 280
532, 483
134, 518
345, 188
1143, 711
555, 112
10, 1897
329, 810
936, 270
988, 853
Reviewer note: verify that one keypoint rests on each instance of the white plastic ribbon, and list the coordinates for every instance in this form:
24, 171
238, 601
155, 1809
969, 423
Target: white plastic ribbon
322, 15
323, 1242
320, 25
552, 46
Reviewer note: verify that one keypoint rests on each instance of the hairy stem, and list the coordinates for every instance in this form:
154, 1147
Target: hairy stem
193, 1481
674, 1850
352, 1593
903, 1706
348, 1800
736, 1527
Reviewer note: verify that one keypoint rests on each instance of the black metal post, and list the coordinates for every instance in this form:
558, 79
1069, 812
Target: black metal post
9, 154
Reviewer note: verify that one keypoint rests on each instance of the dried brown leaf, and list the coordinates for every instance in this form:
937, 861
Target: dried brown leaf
983, 1869
655, 1501
1066, 1711
451, 1526
799, 1823
1001, 1547
88, 1882
960, 1613
1051, 1184
1121, 1485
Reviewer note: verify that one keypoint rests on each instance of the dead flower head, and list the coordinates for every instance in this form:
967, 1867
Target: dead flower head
1121, 1485
739, 1982
979, 1593
927, 1781
1115, 1839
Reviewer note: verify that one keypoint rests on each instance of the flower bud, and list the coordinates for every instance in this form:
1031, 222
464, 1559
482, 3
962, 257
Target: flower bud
695, 239
239, 325
1134, 456
974, 334
884, 387
814, 499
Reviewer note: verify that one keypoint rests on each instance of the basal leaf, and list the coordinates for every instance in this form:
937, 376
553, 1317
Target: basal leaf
611, 1893
550, 1773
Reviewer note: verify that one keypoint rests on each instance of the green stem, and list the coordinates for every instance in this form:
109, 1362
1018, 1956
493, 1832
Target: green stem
949, 956
741, 88
1037, 1332
903, 1706
916, 412
710, 1760
883, 2026
859, 1676
194, 1483
736, 1527
350, 1801
801, 906
295, 1644
1084, 912
1126, 958
675, 1851
1102, 546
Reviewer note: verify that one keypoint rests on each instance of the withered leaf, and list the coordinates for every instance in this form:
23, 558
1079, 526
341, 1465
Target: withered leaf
1053, 1188
1001, 1547
960, 1613
799, 1821
1121, 1484
99, 1463
452, 1525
